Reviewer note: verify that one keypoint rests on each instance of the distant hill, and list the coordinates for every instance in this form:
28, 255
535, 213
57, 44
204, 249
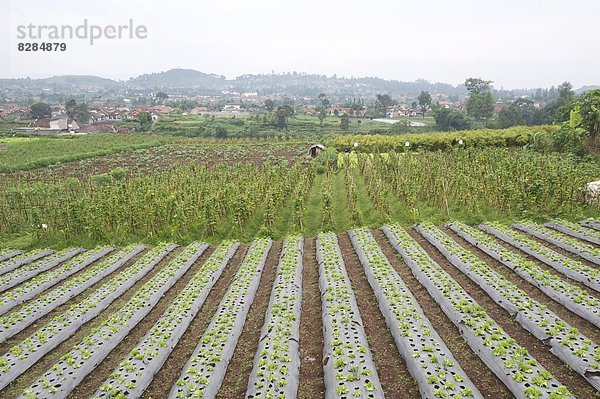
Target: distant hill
63, 81
192, 82
586, 88
178, 78
79, 80
310, 85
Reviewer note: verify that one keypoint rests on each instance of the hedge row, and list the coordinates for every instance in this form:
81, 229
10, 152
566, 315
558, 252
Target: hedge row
512, 137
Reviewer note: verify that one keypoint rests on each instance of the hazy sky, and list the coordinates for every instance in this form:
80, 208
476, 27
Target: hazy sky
515, 43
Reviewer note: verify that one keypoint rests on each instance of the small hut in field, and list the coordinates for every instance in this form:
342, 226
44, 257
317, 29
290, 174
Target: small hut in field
315, 150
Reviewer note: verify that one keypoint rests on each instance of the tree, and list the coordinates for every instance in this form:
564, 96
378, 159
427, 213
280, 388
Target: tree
558, 110
480, 105
289, 110
344, 122
162, 95
281, 116
565, 98
478, 85
145, 120
322, 116
424, 101
565, 91
71, 107
269, 104
78, 112
521, 112
82, 113
589, 109
323, 100
384, 101
40, 110
451, 119
221, 132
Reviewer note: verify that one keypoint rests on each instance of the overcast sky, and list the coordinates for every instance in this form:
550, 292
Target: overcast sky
515, 43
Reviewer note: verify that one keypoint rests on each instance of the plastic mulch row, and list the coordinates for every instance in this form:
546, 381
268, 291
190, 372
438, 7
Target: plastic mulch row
572, 347
4, 255
276, 367
428, 359
65, 325
569, 267
487, 339
590, 236
17, 276
137, 369
560, 290
41, 282
67, 373
12, 262
583, 250
204, 372
16, 321
592, 224
348, 365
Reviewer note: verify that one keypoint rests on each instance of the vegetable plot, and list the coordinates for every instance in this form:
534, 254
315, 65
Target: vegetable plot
27, 352
63, 376
30, 288
276, 366
573, 245
17, 276
204, 372
8, 253
428, 359
39, 283
575, 230
570, 296
136, 371
12, 262
569, 267
511, 363
591, 223
347, 361
16, 321
565, 341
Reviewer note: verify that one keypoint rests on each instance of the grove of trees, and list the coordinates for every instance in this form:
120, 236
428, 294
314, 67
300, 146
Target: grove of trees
40, 110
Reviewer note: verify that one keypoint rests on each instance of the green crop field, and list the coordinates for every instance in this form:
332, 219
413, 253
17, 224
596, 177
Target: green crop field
439, 265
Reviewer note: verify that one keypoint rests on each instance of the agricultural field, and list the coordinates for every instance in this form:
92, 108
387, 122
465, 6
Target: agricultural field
145, 161
20, 153
193, 198
456, 311
298, 126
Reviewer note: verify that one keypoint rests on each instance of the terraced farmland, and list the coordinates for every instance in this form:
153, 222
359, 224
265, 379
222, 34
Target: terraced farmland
456, 311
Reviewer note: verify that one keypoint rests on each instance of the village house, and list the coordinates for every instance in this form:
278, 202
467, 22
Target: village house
499, 106
45, 127
198, 110
99, 127
232, 108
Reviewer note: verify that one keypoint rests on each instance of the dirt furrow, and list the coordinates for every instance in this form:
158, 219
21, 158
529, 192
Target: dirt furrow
238, 371
573, 381
312, 383
395, 379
